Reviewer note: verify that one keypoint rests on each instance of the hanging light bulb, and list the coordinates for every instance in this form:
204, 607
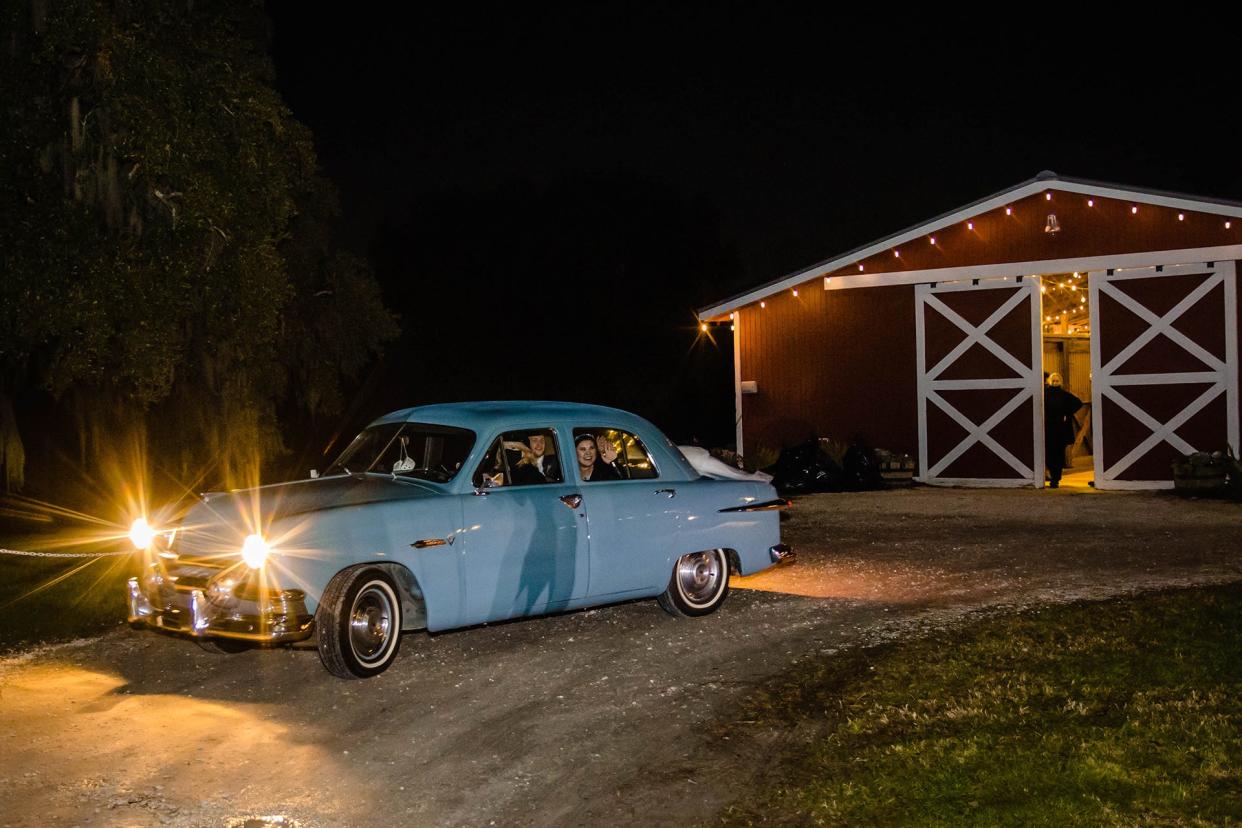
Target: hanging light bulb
1091, 202
932, 239
970, 225
1181, 216
795, 291
1133, 209
1009, 211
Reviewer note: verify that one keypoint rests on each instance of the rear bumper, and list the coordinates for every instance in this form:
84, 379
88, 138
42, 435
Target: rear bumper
277, 618
781, 552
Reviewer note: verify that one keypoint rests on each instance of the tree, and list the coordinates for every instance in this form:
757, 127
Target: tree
165, 234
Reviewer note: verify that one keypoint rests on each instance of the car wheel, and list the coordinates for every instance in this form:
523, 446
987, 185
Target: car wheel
224, 646
359, 623
699, 584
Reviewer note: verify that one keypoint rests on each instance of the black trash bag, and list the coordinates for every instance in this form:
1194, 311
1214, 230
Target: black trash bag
862, 468
806, 468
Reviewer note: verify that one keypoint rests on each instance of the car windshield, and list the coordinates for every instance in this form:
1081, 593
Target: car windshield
428, 452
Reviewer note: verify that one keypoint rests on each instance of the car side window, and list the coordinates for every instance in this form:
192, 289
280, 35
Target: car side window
520, 458
604, 453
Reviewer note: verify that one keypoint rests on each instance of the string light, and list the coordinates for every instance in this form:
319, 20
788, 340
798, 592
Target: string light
1009, 211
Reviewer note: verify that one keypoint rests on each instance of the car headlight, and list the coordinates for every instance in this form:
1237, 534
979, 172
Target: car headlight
141, 534
255, 551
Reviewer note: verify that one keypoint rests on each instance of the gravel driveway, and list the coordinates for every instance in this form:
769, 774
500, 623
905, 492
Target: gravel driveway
601, 716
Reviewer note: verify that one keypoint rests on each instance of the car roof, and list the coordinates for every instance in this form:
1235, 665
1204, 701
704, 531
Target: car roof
484, 415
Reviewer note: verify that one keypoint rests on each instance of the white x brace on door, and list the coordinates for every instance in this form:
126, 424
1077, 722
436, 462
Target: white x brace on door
980, 384
1164, 363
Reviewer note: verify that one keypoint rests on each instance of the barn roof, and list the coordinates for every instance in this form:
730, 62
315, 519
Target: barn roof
1045, 181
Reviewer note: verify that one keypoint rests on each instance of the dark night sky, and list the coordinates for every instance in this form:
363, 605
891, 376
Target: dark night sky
563, 187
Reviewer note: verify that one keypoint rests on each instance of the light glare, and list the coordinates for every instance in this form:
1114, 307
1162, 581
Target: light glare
141, 534
254, 551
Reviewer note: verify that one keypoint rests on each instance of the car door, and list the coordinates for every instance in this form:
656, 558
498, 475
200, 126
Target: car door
632, 515
526, 545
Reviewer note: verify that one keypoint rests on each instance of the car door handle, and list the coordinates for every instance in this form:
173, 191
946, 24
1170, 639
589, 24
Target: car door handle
667, 492
573, 501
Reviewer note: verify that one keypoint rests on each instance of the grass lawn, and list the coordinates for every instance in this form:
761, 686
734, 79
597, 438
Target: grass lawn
1127, 712
54, 599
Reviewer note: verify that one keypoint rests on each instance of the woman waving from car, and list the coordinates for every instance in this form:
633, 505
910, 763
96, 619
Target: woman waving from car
596, 458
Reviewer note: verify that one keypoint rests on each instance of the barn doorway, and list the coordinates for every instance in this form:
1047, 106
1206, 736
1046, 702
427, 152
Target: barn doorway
1066, 311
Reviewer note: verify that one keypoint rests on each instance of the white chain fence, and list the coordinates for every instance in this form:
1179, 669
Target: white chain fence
22, 553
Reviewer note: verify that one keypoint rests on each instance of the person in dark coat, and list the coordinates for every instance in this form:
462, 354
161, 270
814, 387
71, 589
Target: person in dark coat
596, 460
1059, 426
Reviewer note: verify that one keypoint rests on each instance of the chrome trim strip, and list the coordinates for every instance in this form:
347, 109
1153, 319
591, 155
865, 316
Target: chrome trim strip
765, 506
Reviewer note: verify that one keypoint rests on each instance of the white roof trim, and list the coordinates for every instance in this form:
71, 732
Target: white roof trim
1003, 270
1032, 187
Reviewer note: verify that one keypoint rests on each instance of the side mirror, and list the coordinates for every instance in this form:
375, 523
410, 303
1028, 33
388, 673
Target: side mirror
314, 474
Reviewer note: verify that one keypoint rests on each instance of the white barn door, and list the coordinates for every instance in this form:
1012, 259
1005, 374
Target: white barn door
1164, 364
980, 383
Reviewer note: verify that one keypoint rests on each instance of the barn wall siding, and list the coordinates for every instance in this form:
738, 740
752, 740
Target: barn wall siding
835, 364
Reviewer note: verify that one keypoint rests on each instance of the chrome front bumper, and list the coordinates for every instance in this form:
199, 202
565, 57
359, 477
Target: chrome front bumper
279, 617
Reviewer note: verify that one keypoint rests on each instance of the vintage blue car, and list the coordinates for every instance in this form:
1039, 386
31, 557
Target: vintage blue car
447, 516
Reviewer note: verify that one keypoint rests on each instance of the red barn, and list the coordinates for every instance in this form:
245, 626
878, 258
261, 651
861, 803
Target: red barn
936, 340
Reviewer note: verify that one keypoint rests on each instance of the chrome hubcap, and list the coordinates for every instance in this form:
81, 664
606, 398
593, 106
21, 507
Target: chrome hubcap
370, 624
699, 576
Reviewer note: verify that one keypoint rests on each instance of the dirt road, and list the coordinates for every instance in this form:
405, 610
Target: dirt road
604, 716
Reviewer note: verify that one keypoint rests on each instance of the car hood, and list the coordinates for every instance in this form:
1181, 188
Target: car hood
281, 500
221, 520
